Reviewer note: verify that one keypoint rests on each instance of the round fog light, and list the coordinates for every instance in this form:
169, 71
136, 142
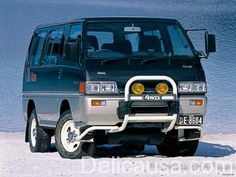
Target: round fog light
162, 88
138, 88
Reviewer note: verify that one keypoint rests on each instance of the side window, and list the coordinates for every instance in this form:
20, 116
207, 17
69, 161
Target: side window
179, 44
72, 45
54, 49
75, 31
38, 45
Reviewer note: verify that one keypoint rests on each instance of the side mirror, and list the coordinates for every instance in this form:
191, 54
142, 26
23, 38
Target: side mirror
210, 43
72, 50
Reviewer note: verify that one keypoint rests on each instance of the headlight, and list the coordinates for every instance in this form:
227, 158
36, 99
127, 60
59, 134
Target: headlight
192, 87
162, 88
93, 87
137, 88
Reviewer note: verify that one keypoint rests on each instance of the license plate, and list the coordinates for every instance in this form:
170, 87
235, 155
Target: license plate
190, 120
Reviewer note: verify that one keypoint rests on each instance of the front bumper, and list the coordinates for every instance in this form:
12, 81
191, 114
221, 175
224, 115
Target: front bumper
115, 115
108, 114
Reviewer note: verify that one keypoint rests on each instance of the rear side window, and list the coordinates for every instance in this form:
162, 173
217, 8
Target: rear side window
54, 49
37, 48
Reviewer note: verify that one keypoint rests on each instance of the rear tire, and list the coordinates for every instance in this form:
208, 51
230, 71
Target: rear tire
176, 148
39, 139
65, 142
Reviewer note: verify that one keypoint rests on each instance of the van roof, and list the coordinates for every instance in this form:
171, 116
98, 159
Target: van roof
107, 19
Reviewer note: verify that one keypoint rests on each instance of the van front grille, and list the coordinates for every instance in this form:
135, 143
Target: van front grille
149, 110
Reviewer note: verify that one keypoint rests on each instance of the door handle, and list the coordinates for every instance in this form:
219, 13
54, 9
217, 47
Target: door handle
60, 72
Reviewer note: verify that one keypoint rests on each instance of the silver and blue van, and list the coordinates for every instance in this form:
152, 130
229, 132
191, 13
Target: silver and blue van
114, 80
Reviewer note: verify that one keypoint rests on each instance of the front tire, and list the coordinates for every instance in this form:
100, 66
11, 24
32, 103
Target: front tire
66, 143
39, 139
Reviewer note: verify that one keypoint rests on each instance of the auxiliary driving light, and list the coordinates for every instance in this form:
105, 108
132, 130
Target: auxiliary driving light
162, 88
138, 88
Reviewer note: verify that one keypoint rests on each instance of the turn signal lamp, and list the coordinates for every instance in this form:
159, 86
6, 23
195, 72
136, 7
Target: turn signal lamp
82, 87
197, 102
137, 88
98, 102
162, 88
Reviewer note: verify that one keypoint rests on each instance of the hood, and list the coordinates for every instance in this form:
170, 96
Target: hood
122, 71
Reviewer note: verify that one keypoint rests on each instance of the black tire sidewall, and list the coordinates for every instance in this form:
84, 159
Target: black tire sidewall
43, 139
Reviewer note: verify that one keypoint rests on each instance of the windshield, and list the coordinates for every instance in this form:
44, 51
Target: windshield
107, 40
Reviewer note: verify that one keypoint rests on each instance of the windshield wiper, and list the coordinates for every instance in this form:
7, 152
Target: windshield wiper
152, 58
146, 61
115, 60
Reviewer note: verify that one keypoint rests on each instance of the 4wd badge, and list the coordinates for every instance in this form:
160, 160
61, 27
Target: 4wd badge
152, 97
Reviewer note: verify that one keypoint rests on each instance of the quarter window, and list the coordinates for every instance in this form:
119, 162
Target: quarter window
38, 45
